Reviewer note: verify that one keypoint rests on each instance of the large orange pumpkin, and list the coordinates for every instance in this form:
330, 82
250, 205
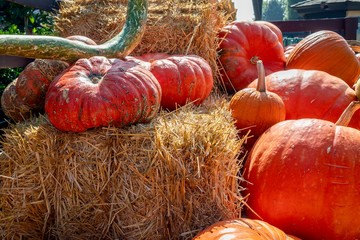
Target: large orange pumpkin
326, 51
312, 94
242, 229
242, 43
303, 176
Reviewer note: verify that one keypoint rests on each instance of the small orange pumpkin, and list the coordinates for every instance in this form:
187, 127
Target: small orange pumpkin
256, 108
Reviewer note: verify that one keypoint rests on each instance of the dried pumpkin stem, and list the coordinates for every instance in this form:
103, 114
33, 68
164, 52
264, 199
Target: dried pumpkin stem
261, 86
52, 47
346, 116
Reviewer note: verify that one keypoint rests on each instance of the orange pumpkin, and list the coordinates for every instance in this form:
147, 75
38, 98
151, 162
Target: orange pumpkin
302, 176
256, 108
241, 229
326, 51
312, 94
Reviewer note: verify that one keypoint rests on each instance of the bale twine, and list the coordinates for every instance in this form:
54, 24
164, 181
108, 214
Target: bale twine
173, 26
167, 179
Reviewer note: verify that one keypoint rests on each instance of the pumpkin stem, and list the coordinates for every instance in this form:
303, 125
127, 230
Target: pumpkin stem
261, 86
52, 47
357, 89
346, 116
254, 59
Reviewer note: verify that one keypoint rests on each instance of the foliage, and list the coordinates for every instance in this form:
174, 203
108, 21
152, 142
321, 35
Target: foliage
290, 13
273, 10
18, 19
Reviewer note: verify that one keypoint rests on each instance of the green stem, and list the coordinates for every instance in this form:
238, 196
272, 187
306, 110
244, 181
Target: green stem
51, 47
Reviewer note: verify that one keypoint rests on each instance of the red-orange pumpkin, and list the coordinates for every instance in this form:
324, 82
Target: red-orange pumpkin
312, 94
255, 108
183, 78
302, 176
100, 92
325, 51
242, 43
273, 28
242, 229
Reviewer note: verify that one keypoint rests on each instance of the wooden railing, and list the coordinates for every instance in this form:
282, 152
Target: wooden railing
347, 27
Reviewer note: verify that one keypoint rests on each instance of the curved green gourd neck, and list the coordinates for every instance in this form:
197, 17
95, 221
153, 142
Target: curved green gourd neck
51, 47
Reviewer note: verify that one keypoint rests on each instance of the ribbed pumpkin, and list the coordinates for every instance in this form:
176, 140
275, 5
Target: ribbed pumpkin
273, 28
242, 229
183, 78
242, 43
98, 92
256, 108
312, 94
302, 176
325, 51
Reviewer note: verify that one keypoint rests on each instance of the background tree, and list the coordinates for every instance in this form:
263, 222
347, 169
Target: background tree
290, 13
273, 10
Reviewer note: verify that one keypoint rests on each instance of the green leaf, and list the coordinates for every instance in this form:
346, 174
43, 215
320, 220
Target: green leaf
31, 19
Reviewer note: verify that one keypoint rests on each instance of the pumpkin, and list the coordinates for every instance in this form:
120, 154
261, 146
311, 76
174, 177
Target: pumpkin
273, 28
325, 51
311, 94
52, 47
302, 177
242, 228
256, 108
99, 91
183, 78
11, 104
25, 96
242, 43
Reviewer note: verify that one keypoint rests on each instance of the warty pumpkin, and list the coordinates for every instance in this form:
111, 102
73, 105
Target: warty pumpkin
242, 43
256, 108
242, 229
183, 78
325, 51
312, 94
302, 176
99, 91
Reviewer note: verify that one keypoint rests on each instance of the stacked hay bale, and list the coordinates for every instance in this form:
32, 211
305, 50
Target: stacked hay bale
173, 26
164, 180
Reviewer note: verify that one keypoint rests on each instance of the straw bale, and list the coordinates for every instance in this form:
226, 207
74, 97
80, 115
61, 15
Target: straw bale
167, 179
173, 26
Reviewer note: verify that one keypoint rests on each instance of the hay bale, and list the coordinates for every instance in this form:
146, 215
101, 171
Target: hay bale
163, 180
173, 26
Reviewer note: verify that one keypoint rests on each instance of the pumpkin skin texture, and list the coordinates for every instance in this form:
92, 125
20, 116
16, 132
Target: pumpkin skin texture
58, 48
243, 228
303, 178
98, 92
325, 51
273, 28
312, 94
183, 78
26, 95
242, 43
256, 109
